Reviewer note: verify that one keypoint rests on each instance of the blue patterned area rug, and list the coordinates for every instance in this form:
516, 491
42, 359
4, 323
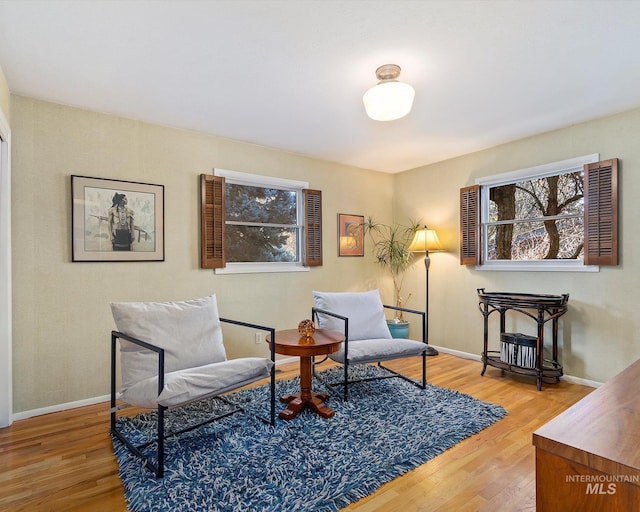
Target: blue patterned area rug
308, 464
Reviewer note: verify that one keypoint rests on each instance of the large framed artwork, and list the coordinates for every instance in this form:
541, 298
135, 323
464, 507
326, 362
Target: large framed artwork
116, 220
350, 235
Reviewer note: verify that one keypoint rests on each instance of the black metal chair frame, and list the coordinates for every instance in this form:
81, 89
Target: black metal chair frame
157, 466
345, 383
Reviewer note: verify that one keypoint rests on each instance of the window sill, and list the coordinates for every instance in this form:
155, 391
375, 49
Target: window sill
256, 268
535, 266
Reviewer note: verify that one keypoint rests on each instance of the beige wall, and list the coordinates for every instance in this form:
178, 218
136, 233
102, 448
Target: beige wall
600, 334
5, 259
61, 316
4, 97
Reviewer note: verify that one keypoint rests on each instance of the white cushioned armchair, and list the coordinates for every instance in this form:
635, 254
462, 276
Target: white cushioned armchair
172, 354
360, 316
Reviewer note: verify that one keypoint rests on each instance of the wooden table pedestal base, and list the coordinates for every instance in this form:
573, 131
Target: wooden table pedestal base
296, 402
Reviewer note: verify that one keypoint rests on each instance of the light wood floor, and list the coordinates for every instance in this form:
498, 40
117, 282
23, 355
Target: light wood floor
64, 461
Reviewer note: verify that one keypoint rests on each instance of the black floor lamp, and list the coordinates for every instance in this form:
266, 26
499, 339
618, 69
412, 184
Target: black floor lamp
426, 240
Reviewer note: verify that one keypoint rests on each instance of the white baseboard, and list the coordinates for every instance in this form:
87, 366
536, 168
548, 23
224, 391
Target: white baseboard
463, 355
583, 382
105, 398
476, 357
60, 407
92, 401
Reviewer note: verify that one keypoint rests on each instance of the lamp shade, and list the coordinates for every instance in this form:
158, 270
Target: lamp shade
388, 101
425, 240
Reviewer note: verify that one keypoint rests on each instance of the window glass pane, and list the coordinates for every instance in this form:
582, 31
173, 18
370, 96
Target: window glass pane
260, 205
535, 198
539, 198
520, 241
261, 244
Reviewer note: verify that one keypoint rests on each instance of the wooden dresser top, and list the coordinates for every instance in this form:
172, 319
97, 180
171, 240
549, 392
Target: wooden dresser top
602, 430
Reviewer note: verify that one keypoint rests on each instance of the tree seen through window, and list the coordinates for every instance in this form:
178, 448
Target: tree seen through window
261, 224
537, 219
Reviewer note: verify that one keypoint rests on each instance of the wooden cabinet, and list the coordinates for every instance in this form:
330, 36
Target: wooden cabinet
588, 457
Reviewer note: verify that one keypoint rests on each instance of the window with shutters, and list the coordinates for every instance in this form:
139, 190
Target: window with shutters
267, 223
559, 216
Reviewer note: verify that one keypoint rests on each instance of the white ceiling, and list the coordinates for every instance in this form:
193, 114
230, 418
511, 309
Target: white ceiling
291, 74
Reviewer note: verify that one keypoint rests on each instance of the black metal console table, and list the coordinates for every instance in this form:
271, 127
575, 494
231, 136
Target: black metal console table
540, 308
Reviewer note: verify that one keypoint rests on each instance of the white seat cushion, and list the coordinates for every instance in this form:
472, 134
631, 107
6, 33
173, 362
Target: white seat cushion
374, 350
189, 332
364, 310
192, 384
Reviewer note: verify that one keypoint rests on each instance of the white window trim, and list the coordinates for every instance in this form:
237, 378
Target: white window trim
539, 171
243, 178
258, 268
538, 266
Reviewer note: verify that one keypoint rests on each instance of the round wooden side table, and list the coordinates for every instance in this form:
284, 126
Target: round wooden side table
289, 342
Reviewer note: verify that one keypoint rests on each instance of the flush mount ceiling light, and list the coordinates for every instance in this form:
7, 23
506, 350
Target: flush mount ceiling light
390, 99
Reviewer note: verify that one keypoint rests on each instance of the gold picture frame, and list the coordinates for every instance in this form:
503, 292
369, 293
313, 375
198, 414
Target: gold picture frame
350, 235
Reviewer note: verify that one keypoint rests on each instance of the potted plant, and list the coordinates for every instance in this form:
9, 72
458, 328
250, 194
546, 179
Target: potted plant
390, 245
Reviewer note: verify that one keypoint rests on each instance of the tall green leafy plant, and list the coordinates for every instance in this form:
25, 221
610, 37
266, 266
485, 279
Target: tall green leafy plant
390, 243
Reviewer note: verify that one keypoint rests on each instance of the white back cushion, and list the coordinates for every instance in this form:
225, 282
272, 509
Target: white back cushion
364, 310
189, 331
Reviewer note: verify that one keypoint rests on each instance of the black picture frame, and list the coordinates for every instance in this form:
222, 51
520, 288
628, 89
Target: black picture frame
98, 210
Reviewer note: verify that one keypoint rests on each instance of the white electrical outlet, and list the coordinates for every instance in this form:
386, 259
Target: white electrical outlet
259, 338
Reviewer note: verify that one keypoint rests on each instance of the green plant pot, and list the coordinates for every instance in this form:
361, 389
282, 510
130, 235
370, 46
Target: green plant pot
398, 329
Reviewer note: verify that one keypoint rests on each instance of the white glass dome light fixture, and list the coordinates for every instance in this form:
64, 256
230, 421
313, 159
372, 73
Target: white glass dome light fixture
389, 99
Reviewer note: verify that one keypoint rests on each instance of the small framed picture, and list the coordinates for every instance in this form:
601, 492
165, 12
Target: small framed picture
350, 235
116, 220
